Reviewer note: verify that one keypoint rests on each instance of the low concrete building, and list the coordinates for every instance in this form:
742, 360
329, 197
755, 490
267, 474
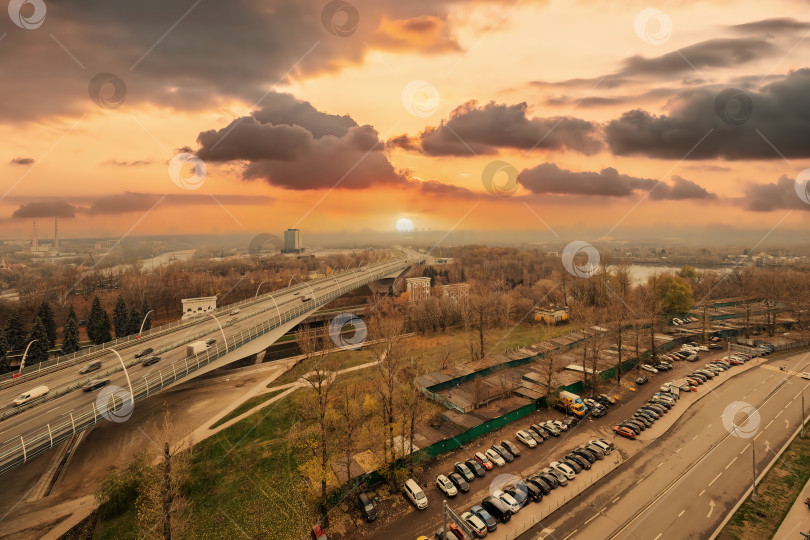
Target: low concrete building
197, 307
418, 288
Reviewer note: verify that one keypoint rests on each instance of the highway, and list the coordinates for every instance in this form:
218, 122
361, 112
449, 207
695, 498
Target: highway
171, 348
685, 482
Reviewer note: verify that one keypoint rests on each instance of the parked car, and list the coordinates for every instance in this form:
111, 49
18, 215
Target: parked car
587, 454
234, 312
560, 476
540, 483
520, 496
151, 360
564, 469
459, 482
570, 421
478, 527
497, 508
551, 428
486, 517
648, 367
92, 366
579, 460
144, 352
483, 460
526, 438
806, 375
560, 426
476, 467
507, 499
367, 507
715, 346
624, 432
495, 457
540, 430
641, 418
415, 494
464, 471
95, 384
445, 485
598, 450
512, 447
604, 445
642, 380
503, 452
317, 533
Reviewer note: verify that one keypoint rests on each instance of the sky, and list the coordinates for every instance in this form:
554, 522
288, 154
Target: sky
554, 117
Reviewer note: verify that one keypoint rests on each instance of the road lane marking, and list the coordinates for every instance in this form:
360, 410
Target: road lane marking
731, 462
695, 437
592, 518
570, 535
603, 509
780, 412
768, 424
744, 449
701, 493
757, 435
715, 479
659, 465
616, 499
682, 511
709, 426
659, 536
679, 449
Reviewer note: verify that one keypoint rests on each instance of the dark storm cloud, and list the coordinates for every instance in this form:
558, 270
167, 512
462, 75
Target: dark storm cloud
289, 143
187, 55
774, 26
656, 94
134, 163
141, 202
548, 178
774, 196
779, 123
22, 161
45, 209
474, 130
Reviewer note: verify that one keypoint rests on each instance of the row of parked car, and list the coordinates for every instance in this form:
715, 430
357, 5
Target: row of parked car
656, 407
513, 496
684, 320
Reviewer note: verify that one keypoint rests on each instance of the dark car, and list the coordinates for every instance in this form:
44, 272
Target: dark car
649, 415
151, 360
642, 380
92, 366
587, 454
629, 427
640, 418
662, 367
95, 384
496, 509
605, 399
540, 484
550, 479
459, 482
211, 342
144, 352
536, 435
596, 450
484, 516
534, 493
545, 435
367, 507
464, 471
575, 465
581, 461
476, 468
570, 421
503, 452
520, 494
512, 447
634, 422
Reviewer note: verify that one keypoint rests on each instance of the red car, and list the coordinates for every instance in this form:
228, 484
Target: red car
317, 533
483, 460
624, 432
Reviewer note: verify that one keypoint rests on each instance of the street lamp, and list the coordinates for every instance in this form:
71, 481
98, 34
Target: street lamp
22, 362
257, 289
144, 322
126, 374
224, 339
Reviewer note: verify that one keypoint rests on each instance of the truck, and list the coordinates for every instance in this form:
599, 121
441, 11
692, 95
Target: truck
196, 348
572, 403
34, 393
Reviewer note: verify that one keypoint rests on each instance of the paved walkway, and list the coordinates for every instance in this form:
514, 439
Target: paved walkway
797, 519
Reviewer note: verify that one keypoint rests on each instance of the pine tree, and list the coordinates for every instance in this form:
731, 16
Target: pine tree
15, 331
105, 328
146, 308
98, 323
5, 364
70, 342
45, 314
134, 323
121, 317
38, 350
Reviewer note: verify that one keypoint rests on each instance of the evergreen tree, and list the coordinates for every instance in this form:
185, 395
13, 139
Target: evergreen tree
146, 308
121, 317
15, 331
45, 315
134, 323
5, 364
38, 351
98, 323
70, 342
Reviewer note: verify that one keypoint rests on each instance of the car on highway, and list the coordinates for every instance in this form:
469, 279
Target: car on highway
95, 384
459, 482
476, 467
415, 494
446, 486
507, 499
151, 360
211, 341
474, 522
367, 507
144, 352
484, 461
486, 517
92, 366
34, 393
624, 432
234, 312
564, 469
526, 438
642, 380
464, 471
497, 508
495, 457
512, 447
503, 452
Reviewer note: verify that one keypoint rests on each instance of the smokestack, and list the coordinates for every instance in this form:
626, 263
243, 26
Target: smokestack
55, 232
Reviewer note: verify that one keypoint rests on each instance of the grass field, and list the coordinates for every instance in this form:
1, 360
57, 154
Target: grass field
246, 406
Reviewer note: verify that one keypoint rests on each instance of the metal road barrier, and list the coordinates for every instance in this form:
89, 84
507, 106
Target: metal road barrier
19, 450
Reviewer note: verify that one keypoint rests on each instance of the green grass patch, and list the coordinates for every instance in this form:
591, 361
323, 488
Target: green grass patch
345, 359
775, 495
246, 406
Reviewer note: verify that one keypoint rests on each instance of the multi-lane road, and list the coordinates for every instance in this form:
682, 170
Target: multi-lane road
171, 348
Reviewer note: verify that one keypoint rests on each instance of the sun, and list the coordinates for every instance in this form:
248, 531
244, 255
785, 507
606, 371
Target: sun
404, 225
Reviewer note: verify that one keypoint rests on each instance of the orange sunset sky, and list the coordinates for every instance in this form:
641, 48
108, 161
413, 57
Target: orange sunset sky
331, 116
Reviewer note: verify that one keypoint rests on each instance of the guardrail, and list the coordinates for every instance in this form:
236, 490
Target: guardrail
15, 452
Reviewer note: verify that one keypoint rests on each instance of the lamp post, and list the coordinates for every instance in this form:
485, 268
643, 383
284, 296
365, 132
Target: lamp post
144, 322
224, 339
257, 289
126, 374
22, 362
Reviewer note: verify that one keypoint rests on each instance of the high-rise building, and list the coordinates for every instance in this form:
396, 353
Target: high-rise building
292, 241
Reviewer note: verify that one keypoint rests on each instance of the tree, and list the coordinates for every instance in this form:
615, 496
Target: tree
350, 422
5, 365
38, 351
45, 314
98, 323
146, 308
134, 323
15, 331
676, 295
650, 301
121, 317
70, 341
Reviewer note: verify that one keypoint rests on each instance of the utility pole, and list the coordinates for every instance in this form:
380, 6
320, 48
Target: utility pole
444, 517
754, 462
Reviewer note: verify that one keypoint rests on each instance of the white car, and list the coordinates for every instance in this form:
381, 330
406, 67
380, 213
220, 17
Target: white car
564, 469
675, 322
526, 439
444, 484
475, 523
560, 425
648, 367
495, 457
603, 445
234, 312
806, 375
507, 499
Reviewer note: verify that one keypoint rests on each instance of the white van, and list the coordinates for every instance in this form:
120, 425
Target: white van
415, 494
31, 394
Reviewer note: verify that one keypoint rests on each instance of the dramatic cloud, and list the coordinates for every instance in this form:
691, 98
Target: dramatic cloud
425, 33
45, 209
290, 144
774, 196
548, 178
141, 202
765, 124
777, 26
473, 130
134, 163
22, 161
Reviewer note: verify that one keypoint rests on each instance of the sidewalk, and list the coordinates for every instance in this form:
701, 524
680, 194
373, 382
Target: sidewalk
797, 518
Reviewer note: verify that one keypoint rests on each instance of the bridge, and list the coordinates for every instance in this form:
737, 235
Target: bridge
240, 330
